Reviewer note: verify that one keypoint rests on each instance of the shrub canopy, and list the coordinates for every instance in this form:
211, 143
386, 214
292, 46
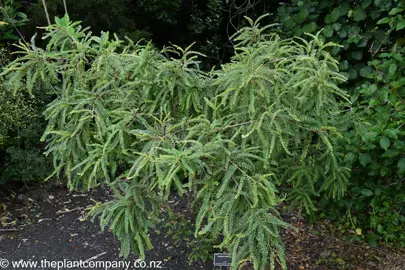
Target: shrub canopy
146, 123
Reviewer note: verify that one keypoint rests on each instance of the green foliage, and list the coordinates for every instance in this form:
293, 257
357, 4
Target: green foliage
395, 18
376, 197
20, 130
26, 165
179, 227
146, 125
129, 216
20, 121
359, 26
367, 30
296, 121
10, 19
15, 112
202, 248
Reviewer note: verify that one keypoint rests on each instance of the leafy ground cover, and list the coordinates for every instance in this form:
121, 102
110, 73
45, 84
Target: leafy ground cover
48, 226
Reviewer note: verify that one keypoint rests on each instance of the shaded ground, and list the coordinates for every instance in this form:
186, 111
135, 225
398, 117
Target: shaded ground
47, 226
314, 247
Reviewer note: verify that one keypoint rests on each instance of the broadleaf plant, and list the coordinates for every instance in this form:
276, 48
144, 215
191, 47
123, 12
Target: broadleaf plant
149, 124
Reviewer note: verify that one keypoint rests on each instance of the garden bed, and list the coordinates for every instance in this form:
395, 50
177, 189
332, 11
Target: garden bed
44, 223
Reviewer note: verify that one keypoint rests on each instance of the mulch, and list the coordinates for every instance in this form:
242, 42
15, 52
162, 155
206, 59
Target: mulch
45, 223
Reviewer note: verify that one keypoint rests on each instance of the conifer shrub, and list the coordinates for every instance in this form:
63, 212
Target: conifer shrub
148, 123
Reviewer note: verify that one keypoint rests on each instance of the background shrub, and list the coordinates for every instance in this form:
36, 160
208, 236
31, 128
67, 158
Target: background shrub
21, 121
376, 198
361, 27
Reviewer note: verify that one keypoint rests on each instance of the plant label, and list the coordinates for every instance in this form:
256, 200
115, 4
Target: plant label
222, 259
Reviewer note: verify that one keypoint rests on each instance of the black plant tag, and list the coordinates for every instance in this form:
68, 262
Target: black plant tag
222, 259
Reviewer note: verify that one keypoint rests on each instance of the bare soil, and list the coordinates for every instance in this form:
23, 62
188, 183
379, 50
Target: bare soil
45, 223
